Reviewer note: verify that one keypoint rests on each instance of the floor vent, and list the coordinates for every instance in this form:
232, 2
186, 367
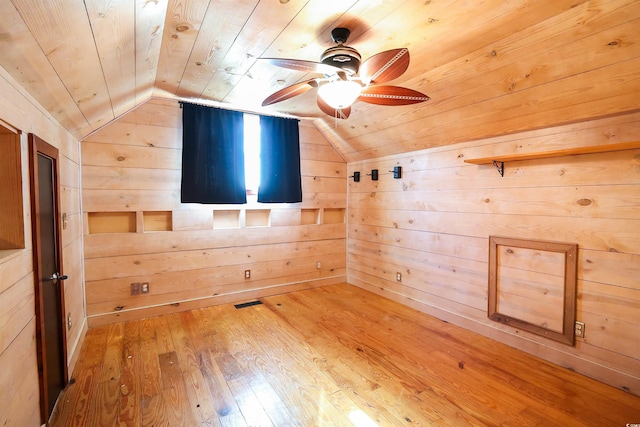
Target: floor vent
248, 304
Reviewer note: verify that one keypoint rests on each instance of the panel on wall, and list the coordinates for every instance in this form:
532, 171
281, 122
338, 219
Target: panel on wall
11, 214
532, 286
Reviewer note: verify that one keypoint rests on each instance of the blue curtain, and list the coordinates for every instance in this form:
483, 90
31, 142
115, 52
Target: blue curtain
279, 161
212, 156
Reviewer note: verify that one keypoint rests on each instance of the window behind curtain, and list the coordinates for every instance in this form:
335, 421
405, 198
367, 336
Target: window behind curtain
252, 152
280, 180
212, 156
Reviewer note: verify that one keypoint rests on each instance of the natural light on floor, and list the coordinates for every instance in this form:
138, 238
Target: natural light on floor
360, 419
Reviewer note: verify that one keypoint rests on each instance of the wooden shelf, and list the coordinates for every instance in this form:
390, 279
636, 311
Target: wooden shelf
556, 153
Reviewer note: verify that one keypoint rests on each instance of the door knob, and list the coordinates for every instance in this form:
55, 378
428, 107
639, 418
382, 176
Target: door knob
55, 277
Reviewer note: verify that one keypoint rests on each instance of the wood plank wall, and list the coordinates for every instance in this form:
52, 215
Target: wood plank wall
433, 227
19, 392
131, 171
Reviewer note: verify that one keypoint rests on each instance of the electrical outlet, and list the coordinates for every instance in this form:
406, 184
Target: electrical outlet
135, 289
580, 329
69, 322
399, 277
144, 287
247, 274
318, 265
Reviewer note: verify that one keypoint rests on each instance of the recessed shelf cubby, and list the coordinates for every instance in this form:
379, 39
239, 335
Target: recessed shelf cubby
226, 219
333, 216
309, 216
257, 217
112, 222
157, 221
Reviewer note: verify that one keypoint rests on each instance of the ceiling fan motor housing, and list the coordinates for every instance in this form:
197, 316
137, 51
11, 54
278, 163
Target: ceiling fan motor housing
344, 57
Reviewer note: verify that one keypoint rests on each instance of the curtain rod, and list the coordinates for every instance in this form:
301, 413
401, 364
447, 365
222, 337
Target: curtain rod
217, 104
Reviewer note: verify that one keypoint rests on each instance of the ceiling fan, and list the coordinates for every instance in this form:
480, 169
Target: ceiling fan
345, 81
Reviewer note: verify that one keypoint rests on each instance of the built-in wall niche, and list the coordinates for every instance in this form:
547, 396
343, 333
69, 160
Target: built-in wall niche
157, 221
111, 222
532, 286
226, 219
333, 216
11, 214
309, 216
257, 217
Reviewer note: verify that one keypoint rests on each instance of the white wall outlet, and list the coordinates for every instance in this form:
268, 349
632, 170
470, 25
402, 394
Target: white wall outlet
144, 287
318, 265
69, 322
580, 329
399, 277
247, 274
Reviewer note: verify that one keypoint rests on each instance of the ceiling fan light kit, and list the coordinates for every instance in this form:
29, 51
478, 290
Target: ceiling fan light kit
340, 94
341, 84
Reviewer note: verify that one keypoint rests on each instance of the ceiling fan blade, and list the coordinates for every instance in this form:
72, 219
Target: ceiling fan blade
290, 92
391, 95
385, 66
343, 113
305, 66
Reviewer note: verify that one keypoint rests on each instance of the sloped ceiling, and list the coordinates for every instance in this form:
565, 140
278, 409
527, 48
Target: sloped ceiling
490, 67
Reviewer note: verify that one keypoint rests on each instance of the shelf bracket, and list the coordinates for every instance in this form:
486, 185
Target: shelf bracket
499, 166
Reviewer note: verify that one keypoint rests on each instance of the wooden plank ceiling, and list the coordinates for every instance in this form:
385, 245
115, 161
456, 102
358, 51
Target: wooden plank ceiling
490, 67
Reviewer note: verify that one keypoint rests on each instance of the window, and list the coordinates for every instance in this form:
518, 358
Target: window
252, 153
220, 165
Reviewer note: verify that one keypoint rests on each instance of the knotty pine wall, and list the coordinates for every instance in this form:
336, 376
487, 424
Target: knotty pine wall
433, 226
19, 390
131, 180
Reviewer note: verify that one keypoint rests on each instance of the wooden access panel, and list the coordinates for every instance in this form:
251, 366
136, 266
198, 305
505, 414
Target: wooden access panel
11, 215
532, 286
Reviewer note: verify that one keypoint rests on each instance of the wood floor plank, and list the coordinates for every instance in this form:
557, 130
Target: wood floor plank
147, 329
188, 352
106, 404
200, 399
164, 340
225, 405
249, 403
129, 409
271, 402
177, 408
79, 395
155, 413
331, 356
112, 359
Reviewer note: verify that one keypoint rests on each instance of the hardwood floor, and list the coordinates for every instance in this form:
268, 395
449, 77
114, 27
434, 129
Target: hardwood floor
331, 356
